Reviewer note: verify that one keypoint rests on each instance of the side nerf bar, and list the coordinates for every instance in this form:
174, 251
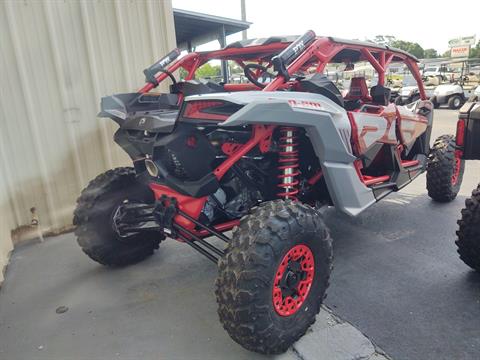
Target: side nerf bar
285, 58
160, 65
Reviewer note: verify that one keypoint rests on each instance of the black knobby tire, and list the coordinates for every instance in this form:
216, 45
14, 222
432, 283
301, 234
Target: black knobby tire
468, 241
245, 281
455, 102
442, 167
93, 219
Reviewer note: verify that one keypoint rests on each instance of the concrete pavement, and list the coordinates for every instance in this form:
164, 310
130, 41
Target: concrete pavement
162, 308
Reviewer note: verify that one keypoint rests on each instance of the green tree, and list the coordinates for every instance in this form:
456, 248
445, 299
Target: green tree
384, 39
430, 54
208, 71
475, 51
235, 68
413, 48
183, 73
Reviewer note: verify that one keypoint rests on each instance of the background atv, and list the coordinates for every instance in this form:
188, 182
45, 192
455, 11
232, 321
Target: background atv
468, 135
260, 158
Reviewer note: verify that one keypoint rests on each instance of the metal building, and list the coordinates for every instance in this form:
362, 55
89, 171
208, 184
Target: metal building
57, 59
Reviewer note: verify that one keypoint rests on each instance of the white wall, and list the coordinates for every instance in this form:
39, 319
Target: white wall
6, 222
57, 58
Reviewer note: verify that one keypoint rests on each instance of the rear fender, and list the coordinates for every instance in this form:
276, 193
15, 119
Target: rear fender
328, 129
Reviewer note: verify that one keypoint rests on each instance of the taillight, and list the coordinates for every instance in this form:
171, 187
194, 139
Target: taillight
205, 110
460, 136
191, 141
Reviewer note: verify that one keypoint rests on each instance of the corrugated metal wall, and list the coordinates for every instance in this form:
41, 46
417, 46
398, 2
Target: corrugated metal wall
57, 59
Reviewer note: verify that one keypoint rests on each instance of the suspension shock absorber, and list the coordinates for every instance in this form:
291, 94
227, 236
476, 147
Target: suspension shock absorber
288, 163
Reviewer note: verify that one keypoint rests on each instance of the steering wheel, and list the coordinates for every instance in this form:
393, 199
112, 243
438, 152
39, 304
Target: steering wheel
261, 71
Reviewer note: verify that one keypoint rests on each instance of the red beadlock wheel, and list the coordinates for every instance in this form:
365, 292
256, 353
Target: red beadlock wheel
293, 280
270, 285
458, 167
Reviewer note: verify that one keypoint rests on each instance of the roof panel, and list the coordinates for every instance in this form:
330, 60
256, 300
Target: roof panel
190, 25
291, 38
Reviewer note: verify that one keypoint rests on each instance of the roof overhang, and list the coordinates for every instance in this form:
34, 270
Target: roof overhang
193, 29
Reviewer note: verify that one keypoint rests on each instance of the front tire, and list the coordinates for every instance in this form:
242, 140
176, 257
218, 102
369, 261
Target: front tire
468, 241
455, 102
274, 275
93, 219
444, 170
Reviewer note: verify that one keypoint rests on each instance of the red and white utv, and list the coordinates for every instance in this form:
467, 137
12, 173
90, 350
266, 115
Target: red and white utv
260, 158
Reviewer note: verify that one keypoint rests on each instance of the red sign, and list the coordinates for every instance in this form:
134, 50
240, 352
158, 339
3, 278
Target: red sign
460, 51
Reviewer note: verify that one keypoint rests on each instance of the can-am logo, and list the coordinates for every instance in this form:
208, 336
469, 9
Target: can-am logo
305, 104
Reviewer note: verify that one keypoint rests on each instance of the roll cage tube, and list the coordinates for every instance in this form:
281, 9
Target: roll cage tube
412, 66
324, 49
193, 60
291, 59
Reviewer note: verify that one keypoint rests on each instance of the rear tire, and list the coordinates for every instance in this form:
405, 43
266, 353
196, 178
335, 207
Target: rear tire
255, 307
435, 103
455, 102
444, 170
93, 219
468, 241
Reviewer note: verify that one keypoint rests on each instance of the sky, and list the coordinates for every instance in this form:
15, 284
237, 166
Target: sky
430, 23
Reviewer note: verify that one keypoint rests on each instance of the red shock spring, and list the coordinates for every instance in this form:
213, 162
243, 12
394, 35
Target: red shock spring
288, 163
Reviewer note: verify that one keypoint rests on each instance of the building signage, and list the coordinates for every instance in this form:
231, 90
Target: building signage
460, 51
462, 41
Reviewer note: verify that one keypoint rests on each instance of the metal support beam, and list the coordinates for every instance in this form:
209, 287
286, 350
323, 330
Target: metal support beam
212, 231
222, 39
193, 243
244, 17
201, 250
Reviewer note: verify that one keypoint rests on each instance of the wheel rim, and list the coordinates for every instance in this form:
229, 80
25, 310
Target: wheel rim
456, 102
456, 170
293, 280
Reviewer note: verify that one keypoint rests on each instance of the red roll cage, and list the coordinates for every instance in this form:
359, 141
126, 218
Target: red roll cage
318, 54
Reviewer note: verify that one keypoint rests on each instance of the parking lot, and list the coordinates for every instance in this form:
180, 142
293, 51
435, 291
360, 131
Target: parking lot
397, 279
